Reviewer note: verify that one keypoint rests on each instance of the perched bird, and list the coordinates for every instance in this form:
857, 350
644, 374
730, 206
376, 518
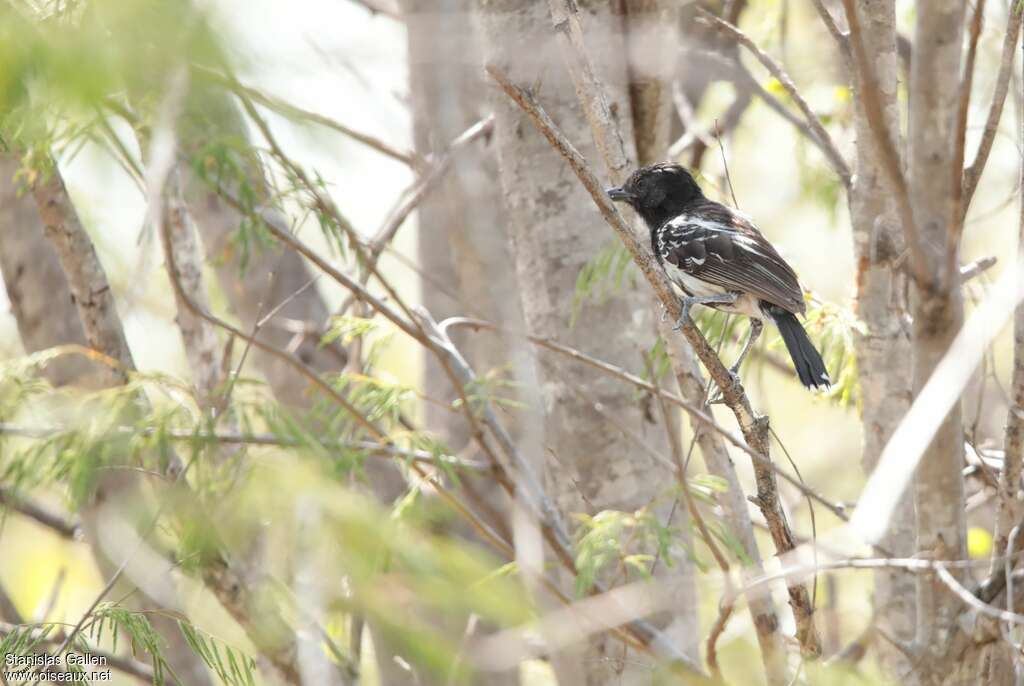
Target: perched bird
718, 258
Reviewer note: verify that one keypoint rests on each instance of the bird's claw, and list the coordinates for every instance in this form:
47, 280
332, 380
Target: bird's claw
717, 398
684, 314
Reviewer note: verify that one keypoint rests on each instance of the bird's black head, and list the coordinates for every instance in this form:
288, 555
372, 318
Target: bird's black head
658, 192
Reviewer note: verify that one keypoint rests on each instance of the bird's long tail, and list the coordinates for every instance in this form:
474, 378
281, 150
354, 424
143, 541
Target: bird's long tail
809, 365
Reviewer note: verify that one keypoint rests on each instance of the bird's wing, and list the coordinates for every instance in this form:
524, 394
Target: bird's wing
718, 245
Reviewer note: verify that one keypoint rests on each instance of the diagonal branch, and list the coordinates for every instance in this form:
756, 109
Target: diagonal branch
700, 416
963, 106
841, 39
827, 145
58, 523
565, 16
287, 109
973, 173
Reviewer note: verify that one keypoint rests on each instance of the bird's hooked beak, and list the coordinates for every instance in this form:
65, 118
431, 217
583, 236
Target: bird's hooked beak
619, 194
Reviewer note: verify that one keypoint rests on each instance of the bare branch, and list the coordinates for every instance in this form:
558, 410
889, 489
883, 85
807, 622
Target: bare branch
1009, 509
737, 72
699, 415
960, 137
827, 145
426, 184
64, 527
972, 175
276, 104
976, 268
36, 285
86, 277
841, 39
867, 83
204, 351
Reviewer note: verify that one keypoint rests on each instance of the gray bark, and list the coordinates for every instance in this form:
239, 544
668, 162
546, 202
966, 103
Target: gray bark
651, 36
202, 347
883, 351
462, 244
938, 304
90, 289
44, 306
273, 275
116, 489
462, 239
36, 286
590, 464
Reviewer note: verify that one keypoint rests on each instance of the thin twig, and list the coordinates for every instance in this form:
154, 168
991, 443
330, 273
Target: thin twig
725, 165
977, 267
383, 450
960, 136
66, 528
841, 39
286, 108
737, 72
973, 173
415, 195
831, 152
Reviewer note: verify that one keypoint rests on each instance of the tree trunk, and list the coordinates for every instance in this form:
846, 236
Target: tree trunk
937, 303
36, 285
883, 351
45, 311
462, 240
591, 465
462, 245
274, 275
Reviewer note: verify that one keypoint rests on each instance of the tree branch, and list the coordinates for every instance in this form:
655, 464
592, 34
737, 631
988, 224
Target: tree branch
827, 145
867, 82
287, 109
65, 528
963, 106
972, 175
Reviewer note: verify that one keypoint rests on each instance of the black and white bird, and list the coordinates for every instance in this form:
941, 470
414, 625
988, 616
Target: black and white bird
718, 258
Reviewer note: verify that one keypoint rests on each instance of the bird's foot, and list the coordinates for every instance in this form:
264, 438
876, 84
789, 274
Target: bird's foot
717, 398
684, 313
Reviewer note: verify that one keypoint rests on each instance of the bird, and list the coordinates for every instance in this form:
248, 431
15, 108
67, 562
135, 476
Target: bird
718, 258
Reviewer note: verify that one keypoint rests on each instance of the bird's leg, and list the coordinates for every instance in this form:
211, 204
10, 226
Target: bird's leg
689, 301
756, 325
